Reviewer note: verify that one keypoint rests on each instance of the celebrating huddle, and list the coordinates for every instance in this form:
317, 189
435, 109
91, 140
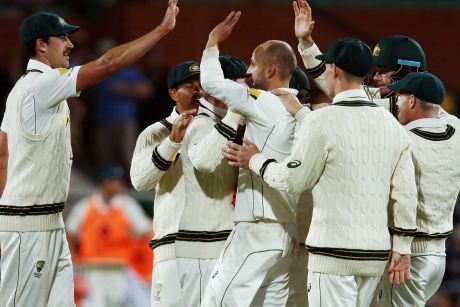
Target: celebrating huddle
260, 199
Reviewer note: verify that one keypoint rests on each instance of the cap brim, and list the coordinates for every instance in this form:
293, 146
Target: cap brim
69, 29
321, 57
188, 76
395, 87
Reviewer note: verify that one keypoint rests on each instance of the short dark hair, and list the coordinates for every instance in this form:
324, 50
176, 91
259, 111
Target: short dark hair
281, 54
29, 47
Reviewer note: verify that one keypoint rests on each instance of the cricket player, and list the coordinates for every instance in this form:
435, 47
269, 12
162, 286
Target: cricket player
356, 159
207, 217
157, 165
253, 267
436, 156
36, 267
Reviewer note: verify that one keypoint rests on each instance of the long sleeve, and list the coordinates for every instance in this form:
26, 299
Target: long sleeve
315, 68
152, 157
302, 169
205, 147
403, 203
235, 95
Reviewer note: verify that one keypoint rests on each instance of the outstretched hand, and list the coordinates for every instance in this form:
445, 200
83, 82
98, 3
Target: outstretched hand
303, 22
399, 269
240, 155
169, 20
223, 29
180, 125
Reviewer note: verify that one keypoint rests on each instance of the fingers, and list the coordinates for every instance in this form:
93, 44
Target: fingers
296, 8
391, 275
279, 92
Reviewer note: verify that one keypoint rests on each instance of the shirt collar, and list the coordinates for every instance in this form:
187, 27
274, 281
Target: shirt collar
354, 94
426, 123
34, 64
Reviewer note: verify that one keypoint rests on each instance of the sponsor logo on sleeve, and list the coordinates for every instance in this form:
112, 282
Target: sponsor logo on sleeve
294, 164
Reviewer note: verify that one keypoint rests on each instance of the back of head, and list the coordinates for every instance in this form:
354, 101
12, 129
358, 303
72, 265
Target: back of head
299, 81
351, 55
281, 55
394, 51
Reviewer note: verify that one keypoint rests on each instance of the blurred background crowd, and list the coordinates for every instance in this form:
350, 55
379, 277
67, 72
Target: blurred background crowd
107, 119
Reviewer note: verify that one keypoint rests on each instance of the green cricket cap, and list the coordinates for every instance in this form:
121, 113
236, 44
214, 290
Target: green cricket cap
423, 85
233, 67
44, 25
299, 80
183, 71
351, 55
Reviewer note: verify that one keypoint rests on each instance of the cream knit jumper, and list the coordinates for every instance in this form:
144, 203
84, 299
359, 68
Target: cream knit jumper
436, 156
157, 165
356, 158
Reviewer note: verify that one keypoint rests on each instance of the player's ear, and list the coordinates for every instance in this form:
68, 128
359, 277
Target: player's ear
173, 94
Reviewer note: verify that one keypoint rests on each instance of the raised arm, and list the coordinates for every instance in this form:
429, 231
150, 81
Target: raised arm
123, 55
307, 48
212, 79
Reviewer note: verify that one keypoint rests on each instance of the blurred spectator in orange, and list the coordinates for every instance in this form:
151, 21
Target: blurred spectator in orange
109, 235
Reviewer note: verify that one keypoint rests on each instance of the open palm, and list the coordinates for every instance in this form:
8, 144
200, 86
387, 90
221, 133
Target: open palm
303, 22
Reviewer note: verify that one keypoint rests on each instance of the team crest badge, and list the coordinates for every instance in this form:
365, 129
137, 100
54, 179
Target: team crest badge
194, 68
294, 164
376, 51
39, 266
157, 290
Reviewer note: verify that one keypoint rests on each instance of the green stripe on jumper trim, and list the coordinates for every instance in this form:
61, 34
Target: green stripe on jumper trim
202, 236
350, 254
161, 163
316, 71
168, 239
402, 232
437, 235
434, 136
32, 210
226, 131
167, 124
356, 103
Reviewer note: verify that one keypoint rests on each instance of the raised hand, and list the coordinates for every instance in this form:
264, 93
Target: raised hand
223, 29
240, 155
303, 23
399, 269
169, 20
180, 125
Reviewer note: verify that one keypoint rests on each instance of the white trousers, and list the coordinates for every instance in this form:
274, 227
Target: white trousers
298, 279
166, 289
194, 275
36, 269
327, 290
253, 268
426, 273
